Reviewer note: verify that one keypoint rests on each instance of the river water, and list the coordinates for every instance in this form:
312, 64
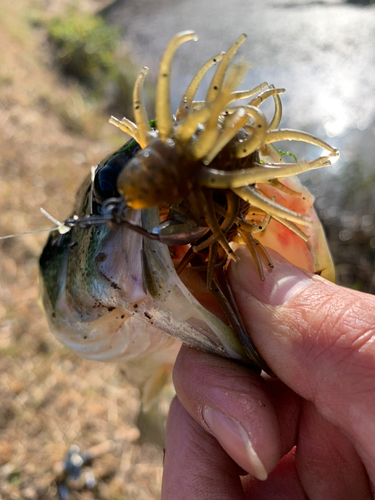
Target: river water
323, 53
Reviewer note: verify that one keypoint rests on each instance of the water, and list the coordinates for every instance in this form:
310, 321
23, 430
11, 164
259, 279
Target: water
322, 53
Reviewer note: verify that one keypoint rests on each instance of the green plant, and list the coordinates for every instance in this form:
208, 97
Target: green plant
84, 46
88, 50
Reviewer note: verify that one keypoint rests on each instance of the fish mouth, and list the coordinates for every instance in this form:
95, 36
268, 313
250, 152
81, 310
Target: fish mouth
116, 296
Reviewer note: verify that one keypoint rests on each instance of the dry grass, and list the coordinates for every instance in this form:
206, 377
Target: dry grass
50, 399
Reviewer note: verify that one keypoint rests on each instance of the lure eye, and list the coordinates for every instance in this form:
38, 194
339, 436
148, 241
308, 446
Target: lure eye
108, 171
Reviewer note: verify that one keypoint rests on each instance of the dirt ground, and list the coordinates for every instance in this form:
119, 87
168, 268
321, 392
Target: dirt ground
49, 398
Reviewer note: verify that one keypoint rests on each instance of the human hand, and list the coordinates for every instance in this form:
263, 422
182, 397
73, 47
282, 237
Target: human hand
308, 434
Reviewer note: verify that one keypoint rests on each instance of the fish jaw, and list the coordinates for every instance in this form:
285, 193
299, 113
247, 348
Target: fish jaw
100, 303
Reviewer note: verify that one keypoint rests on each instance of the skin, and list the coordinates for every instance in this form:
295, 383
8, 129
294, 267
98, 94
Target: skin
309, 434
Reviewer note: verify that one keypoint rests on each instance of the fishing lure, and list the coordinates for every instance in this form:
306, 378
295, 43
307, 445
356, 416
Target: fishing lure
164, 214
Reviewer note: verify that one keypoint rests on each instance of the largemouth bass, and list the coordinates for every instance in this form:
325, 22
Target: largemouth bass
141, 264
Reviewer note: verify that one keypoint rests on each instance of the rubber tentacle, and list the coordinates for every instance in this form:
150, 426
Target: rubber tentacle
218, 78
207, 139
185, 260
276, 119
256, 227
230, 216
263, 252
232, 126
126, 126
188, 127
249, 242
245, 94
207, 204
223, 294
260, 172
252, 196
139, 108
297, 135
292, 227
246, 147
212, 254
187, 99
257, 101
162, 104
285, 189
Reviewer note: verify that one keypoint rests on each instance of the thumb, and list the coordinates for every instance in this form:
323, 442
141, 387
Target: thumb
319, 340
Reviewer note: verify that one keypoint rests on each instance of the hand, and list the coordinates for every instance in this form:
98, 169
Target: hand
234, 435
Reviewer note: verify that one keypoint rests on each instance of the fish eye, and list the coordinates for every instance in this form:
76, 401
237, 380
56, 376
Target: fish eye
108, 170
105, 179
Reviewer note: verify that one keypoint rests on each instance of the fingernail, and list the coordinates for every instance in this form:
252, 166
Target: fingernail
235, 441
280, 284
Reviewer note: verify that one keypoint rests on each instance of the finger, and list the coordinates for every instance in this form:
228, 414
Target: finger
233, 404
282, 484
327, 462
195, 465
318, 338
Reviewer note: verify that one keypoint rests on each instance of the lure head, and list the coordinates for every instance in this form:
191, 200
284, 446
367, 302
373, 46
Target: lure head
159, 174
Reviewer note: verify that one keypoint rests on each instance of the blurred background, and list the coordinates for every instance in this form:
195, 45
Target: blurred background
64, 68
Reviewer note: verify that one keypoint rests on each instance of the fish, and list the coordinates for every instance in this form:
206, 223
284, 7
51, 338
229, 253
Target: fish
140, 267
